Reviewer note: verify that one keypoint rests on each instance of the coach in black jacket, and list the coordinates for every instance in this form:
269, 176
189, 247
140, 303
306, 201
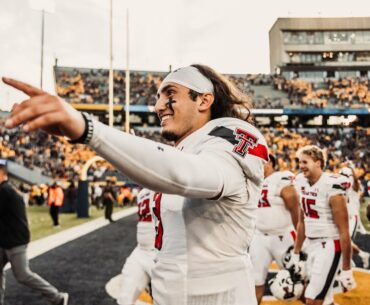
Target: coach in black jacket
14, 237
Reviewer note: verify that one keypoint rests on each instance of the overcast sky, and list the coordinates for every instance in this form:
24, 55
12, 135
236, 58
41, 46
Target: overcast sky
231, 36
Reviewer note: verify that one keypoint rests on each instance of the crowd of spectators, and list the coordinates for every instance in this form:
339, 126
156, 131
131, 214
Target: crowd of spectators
343, 92
55, 157
90, 86
342, 146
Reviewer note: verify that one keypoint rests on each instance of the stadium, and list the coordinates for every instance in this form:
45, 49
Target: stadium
316, 93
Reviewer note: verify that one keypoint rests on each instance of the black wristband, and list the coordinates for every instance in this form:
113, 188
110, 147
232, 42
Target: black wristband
88, 132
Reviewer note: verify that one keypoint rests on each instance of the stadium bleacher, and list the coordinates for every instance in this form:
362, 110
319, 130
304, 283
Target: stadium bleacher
58, 159
90, 86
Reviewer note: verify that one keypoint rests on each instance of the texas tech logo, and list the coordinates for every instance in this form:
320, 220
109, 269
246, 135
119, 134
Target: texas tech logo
245, 141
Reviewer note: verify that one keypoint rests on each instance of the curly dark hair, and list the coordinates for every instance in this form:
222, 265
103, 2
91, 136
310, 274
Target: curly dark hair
229, 100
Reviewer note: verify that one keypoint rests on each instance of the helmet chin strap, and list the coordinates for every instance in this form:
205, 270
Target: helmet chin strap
169, 103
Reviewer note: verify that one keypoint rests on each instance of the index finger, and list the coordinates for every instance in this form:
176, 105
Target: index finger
24, 87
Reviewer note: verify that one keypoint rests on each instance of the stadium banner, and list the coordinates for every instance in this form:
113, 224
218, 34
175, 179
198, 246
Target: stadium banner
326, 111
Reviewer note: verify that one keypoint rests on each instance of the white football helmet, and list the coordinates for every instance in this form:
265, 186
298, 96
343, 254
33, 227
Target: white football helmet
284, 288
296, 268
346, 171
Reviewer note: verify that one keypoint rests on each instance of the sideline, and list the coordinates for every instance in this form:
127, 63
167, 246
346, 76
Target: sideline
40, 246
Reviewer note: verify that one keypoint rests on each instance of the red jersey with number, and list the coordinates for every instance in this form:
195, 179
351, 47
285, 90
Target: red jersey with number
145, 227
314, 201
272, 215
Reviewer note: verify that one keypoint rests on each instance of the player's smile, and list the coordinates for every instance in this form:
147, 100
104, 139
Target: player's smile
165, 117
305, 171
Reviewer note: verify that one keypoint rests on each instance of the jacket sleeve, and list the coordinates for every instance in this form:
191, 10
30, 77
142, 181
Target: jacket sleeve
159, 167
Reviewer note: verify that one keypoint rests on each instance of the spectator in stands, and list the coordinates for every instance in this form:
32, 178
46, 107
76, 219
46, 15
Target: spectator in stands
14, 238
55, 201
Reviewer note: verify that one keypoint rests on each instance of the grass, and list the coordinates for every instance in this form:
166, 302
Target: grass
41, 224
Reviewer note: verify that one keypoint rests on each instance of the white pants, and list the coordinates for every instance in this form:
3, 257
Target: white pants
324, 258
135, 275
222, 286
266, 248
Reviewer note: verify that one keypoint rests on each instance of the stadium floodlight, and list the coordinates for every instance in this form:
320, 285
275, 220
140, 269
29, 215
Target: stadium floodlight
44, 6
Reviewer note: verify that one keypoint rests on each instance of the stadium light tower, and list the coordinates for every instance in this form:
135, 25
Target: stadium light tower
110, 105
44, 6
127, 99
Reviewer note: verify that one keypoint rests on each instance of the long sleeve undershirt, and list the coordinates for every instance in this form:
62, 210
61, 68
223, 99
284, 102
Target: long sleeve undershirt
160, 167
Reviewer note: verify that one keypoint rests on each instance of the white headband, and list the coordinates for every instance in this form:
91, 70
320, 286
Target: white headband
189, 77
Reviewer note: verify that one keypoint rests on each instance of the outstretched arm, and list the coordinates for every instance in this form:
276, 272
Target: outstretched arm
161, 167
155, 166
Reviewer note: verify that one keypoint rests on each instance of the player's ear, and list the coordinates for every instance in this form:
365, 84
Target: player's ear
206, 101
318, 163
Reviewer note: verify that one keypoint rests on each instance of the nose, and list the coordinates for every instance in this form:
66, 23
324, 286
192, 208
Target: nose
160, 105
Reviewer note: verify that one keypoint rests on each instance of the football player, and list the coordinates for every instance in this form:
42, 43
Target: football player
208, 184
277, 217
324, 223
137, 270
353, 188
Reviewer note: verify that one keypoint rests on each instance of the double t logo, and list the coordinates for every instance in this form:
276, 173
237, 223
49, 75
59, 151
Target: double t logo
245, 141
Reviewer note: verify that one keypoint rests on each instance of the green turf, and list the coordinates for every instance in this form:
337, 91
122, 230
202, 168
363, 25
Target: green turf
41, 224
